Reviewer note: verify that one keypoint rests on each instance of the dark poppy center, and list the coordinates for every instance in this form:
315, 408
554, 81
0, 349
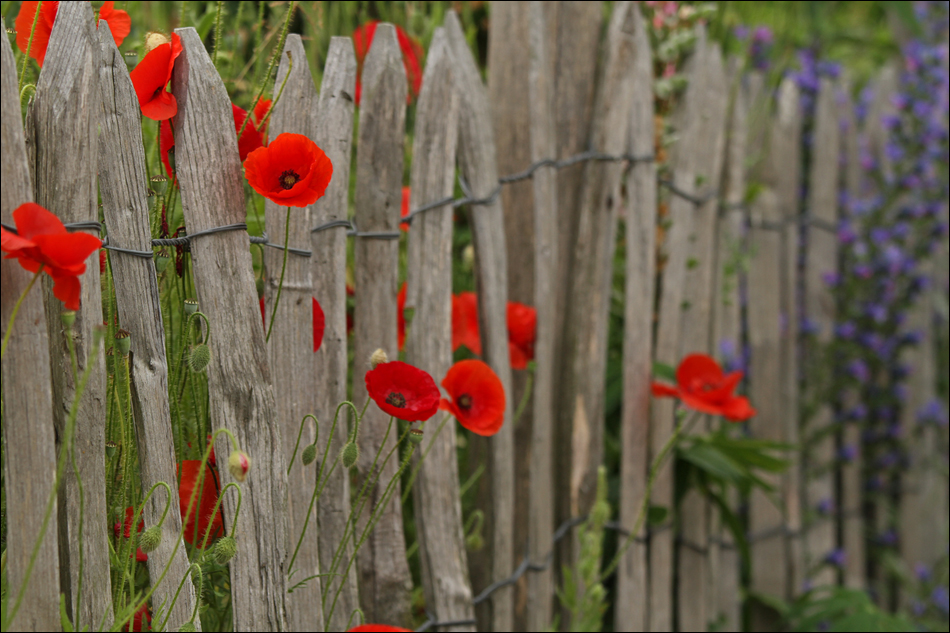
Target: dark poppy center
396, 399
289, 178
464, 402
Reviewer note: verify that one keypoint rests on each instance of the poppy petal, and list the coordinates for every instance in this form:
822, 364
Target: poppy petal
44, 27
664, 391
119, 21
738, 410
31, 219
698, 368
319, 324
68, 290
478, 396
69, 251
403, 391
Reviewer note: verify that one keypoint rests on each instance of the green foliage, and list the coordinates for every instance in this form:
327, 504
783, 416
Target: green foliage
842, 609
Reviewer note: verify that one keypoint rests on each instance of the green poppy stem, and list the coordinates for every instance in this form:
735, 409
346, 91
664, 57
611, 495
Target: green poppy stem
418, 466
283, 269
29, 46
16, 308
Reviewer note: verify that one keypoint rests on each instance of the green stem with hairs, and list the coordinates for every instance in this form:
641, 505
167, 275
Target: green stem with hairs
418, 466
217, 508
126, 472
181, 584
283, 269
217, 32
16, 308
29, 47
273, 62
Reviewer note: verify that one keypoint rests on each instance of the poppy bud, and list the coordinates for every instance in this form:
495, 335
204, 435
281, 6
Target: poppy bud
191, 306
154, 39
68, 317
474, 542
150, 539
187, 627
309, 454
123, 343
238, 464
378, 357
224, 550
198, 358
350, 454
416, 435
161, 261
468, 257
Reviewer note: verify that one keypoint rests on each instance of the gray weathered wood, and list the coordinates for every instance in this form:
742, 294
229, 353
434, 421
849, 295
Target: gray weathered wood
65, 119
384, 572
290, 349
333, 130
444, 561
697, 326
632, 602
544, 188
122, 183
28, 437
675, 248
822, 258
239, 377
478, 167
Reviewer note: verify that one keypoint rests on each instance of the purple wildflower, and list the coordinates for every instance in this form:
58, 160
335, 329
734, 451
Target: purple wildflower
859, 370
837, 558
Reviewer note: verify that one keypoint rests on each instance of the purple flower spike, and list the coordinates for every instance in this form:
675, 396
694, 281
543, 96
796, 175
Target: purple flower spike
859, 370
941, 599
848, 453
846, 330
836, 558
922, 572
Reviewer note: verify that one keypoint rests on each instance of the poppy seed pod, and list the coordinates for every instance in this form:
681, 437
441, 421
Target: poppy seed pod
150, 539
309, 454
123, 342
350, 454
68, 317
191, 306
161, 261
224, 550
416, 435
378, 358
198, 358
239, 464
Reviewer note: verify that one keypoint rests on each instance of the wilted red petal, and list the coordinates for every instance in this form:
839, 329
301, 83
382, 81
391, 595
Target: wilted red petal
319, 324
292, 171
403, 391
478, 397
119, 21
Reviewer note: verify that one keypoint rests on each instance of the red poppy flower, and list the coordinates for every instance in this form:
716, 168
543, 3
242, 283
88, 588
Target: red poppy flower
166, 143
119, 23
405, 208
403, 391
42, 240
263, 316
319, 324
151, 76
411, 57
381, 628
522, 325
702, 386
140, 556
292, 171
207, 498
465, 322
478, 397
258, 112
142, 621
401, 317
102, 261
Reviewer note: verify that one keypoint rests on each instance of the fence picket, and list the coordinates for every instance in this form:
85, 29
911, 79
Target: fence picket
444, 561
241, 395
697, 327
632, 602
290, 351
64, 121
29, 448
477, 160
384, 572
333, 131
122, 181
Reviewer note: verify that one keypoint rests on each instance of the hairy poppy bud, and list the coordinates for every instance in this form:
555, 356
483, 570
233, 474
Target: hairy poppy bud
123, 342
196, 577
68, 317
378, 358
474, 542
191, 306
198, 358
161, 261
187, 627
154, 39
150, 539
309, 454
416, 435
224, 550
350, 454
238, 464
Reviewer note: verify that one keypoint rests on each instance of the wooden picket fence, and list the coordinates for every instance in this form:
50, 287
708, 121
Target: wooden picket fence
548, 240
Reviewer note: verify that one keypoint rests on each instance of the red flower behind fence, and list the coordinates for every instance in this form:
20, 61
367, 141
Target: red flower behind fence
412, 54
142, 621
378, 628
151, 77
702, 386
522, 327
42, 240
292, 171
119, 24
401, 316
319, 324
140, 556
207, 498
403, 391
404, 211
478, 397
465, 322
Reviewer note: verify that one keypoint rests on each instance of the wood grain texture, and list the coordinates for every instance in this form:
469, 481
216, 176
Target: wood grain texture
632, 604
543, 144
333, 130
384, 573
693, 586
480, 171
28, 437
438, 508
821, 258
290, 349
239, 377
122, 184
65, 119
675, 249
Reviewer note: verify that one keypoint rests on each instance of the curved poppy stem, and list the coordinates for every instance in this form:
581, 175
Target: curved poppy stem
283, 269
29, 46
300, 434
16, 307
217, 508
418, 466
645, 504
181, 584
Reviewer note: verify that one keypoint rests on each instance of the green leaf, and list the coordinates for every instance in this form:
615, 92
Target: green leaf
63, 617
713, 461
657, 515
732, 523
664, 372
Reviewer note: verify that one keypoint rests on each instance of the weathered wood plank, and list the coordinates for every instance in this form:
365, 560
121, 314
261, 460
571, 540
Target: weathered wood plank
821, 259
667, 349
290, 350
478, 167
65, 120
333, 129
544, 189
239, 378
28, 438
632, 604
444, 561
384, 572
122, 182
697, 327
